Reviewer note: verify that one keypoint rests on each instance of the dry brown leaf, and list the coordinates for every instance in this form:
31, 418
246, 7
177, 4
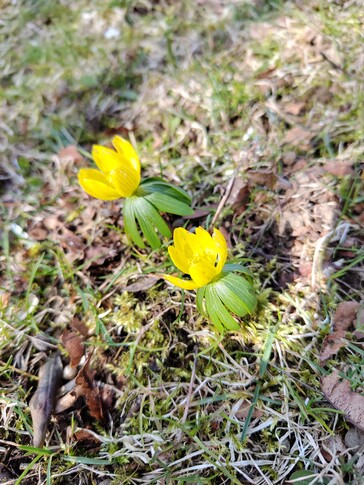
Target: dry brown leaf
338, 168
90, 391
198, 214
332, 344
74, 346
342, 320
239, 196
86, 437
343, 398
298, 137
359, 324
243, 411
42, 403
305, 268
345, 315
294, 108
96, 255
265, 178
143, 283
70, 153
289, 158
81, 327
38, 233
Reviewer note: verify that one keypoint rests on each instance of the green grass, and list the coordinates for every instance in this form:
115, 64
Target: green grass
203, 91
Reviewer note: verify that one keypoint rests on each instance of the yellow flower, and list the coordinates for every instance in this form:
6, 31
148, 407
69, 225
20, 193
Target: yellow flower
200, 255
118, 174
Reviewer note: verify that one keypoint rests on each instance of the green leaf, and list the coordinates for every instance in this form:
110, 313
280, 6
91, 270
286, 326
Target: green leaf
155, 184
306, 477
166, 203
149, 220
231, 300
154, 217
242, 288
218, 311
130, 223
228, 268
200, 294
86, 460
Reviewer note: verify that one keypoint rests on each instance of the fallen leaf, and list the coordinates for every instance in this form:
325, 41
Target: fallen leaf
345, 315
359, 324
97, 255
305, 268
239, 196
343, 398
338, 168
70, 153
85, 436
342, 320
332, 344
42, 403
68, 400
74, 346
354, 438
332, 447
38, 233
81, 327
199, 213
243, 411
265, 178
72, 243
298, 137
143, 283
289, 158
294, 108
90, 391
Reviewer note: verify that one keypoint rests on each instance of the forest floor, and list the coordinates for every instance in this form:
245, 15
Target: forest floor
256, 109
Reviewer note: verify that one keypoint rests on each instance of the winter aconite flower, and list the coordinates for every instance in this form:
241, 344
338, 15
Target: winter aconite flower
119, 177
118, 174
200, 255
221, 295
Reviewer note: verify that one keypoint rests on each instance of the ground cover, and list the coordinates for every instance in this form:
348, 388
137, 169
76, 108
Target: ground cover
256, 110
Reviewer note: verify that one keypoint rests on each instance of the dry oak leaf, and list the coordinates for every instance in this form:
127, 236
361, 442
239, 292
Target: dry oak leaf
343, 398
74, 346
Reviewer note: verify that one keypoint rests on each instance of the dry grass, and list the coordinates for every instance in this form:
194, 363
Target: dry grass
208, 90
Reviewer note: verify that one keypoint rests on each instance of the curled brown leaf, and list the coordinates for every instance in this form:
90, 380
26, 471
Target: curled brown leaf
42, 403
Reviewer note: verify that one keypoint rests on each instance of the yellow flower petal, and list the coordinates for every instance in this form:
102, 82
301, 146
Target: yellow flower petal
221, 249
185, 242
178, 259
96, 184
185, 284
202, 273
106, 159
127, 151
206, 249
124, 180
